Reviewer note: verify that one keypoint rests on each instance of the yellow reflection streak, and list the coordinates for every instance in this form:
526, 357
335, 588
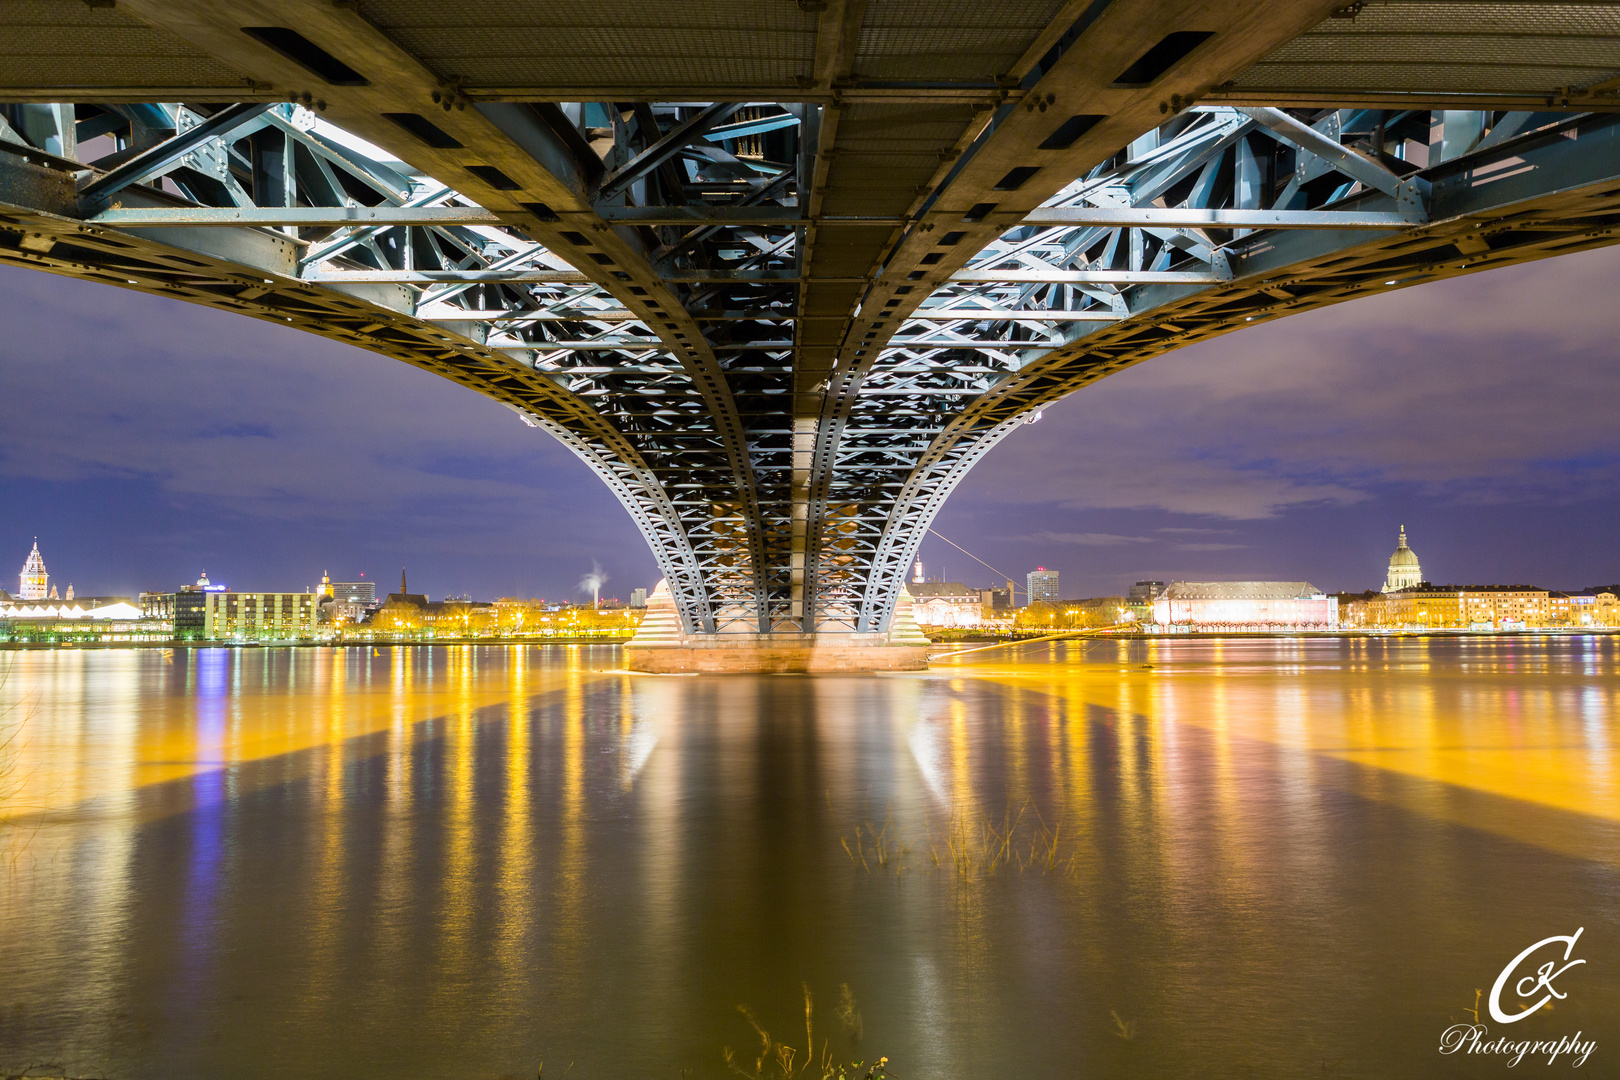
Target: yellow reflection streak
458, 900
571, 858
517, 844
69, 765
1498, 719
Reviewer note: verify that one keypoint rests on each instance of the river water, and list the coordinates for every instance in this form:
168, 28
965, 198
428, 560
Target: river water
1198, 858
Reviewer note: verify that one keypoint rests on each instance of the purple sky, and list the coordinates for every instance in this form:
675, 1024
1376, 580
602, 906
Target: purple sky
144, 440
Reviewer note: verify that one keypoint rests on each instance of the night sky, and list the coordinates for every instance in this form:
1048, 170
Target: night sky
144, 440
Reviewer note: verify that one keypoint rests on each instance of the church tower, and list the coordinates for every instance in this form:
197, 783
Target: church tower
1404, 571
33, 577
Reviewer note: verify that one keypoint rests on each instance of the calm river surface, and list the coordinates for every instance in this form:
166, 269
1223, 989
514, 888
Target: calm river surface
1243, 858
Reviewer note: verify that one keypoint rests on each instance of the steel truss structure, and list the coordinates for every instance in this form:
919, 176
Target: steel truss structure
780, 378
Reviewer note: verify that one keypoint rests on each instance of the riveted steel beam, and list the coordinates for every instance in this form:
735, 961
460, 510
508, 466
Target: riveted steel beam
171, 150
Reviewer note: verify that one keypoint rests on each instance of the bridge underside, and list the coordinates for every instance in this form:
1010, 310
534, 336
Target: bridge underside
780, 274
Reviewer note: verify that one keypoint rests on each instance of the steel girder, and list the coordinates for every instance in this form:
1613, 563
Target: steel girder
1519, 186
679, 395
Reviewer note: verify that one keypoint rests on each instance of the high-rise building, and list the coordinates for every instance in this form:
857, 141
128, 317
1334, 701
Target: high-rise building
638, 598
33, 578
1404, 572
1145, 592
363, 593
189, 608
1042, 585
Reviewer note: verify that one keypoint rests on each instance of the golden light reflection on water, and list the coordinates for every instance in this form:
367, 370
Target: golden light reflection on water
147, 718
467, 860
1501, 717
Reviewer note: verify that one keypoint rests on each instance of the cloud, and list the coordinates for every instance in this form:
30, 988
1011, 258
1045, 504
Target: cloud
1211, 547
1498, 387
1090, 539
243, 427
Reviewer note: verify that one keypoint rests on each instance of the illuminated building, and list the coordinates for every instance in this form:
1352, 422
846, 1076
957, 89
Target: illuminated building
206, 611
1145, 592
946, 604
414, 613
363, 593
1578, 610
1462, 607
1246, 605
84, 607
1042, 585
1091, 613
258, 615
105, 628
1404, 572
33, 577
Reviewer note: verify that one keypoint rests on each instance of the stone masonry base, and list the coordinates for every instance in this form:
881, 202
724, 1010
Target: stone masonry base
750, 658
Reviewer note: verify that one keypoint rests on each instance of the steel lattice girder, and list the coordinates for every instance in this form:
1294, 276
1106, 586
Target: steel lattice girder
1219, 217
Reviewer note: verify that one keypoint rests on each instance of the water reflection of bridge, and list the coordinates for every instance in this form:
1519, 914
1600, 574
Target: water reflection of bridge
781, 274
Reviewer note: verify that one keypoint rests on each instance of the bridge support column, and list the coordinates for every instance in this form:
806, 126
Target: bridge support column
661, 646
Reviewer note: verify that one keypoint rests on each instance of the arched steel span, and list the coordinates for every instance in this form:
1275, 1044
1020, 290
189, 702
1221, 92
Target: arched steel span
782, 317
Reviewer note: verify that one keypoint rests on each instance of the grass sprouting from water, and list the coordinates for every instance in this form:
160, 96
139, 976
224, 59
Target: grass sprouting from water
969, 845
780, 1061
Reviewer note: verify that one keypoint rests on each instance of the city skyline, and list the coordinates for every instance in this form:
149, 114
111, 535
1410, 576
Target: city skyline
1234, 459
33, 579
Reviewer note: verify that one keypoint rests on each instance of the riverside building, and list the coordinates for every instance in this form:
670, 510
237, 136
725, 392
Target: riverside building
1245, 605
258, 616
32, 581
1461, 607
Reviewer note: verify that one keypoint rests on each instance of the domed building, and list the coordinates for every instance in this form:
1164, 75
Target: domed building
1404, 571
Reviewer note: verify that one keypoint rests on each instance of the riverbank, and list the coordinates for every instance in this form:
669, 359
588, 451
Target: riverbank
81, 646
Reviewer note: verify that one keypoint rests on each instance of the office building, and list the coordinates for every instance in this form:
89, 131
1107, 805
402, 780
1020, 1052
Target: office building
1145, 592
363, 593
256, 615
1042, 585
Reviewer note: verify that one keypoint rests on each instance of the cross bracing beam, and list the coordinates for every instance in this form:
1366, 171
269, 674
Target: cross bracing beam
1088, 277
171, 150
215, 217
432, 277
1154, 217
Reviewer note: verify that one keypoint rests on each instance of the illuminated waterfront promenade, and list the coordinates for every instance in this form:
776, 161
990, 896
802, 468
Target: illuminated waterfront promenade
1251, 857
